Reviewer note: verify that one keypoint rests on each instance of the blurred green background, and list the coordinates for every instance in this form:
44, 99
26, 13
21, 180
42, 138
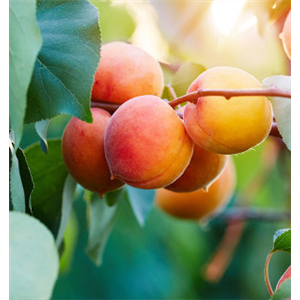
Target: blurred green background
166, 259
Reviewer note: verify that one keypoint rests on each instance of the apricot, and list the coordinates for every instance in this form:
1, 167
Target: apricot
203, 169
227, 126
290, 35
124, 72
286, 275
83, 153
200, 204
146, 144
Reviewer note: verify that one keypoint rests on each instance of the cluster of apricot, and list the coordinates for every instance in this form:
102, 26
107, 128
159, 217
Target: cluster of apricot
145, 143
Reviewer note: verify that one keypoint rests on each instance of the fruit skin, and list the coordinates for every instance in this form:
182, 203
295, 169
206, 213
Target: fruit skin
204, 168
227, 126
200, 204
83, 153
124, 72
146, 144
290, 35
286, 275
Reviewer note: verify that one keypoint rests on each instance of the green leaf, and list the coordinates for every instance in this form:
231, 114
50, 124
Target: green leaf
281, 106
24, 44
141, 202
185, 75
282, 240
41, 128
26, 178
64, 70
67, 204
33, 258
16, 191
284, 291
110, 29
101, 220
49, 175
113, 197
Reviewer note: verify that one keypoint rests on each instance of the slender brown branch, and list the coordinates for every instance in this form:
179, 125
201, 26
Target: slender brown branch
172, 91
110, 107
224, 253
251, 213
266, 272
193, 97
235, 228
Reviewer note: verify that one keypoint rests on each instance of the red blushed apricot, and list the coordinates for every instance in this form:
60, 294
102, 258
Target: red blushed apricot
204, 168
146, 144
228, 126
290, 35
199, 204
83, 153
124, 72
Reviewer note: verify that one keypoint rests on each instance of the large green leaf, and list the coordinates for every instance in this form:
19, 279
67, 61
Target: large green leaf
64, 70
33, 258
49, 175
281, 106
24, 44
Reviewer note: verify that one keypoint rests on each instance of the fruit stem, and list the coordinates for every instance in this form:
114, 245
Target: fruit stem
267, 279
193, 97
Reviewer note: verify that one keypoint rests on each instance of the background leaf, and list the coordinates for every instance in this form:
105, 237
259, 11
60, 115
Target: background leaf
33, 258
281, 106
284, 291
141, 202
182, 79
63, 72
282, 240
111, 30
101, 220
49, 175
67, 203
24, 44
41, 128
185, 75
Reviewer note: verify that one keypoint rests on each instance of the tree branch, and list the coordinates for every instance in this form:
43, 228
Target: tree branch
246, 213
193, 97
110, 107
266, 273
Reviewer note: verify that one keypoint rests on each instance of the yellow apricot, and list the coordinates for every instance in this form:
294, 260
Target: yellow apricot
146, 144
83, 153
124, 72
228, 126
203, 169
285, 35
200, 204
